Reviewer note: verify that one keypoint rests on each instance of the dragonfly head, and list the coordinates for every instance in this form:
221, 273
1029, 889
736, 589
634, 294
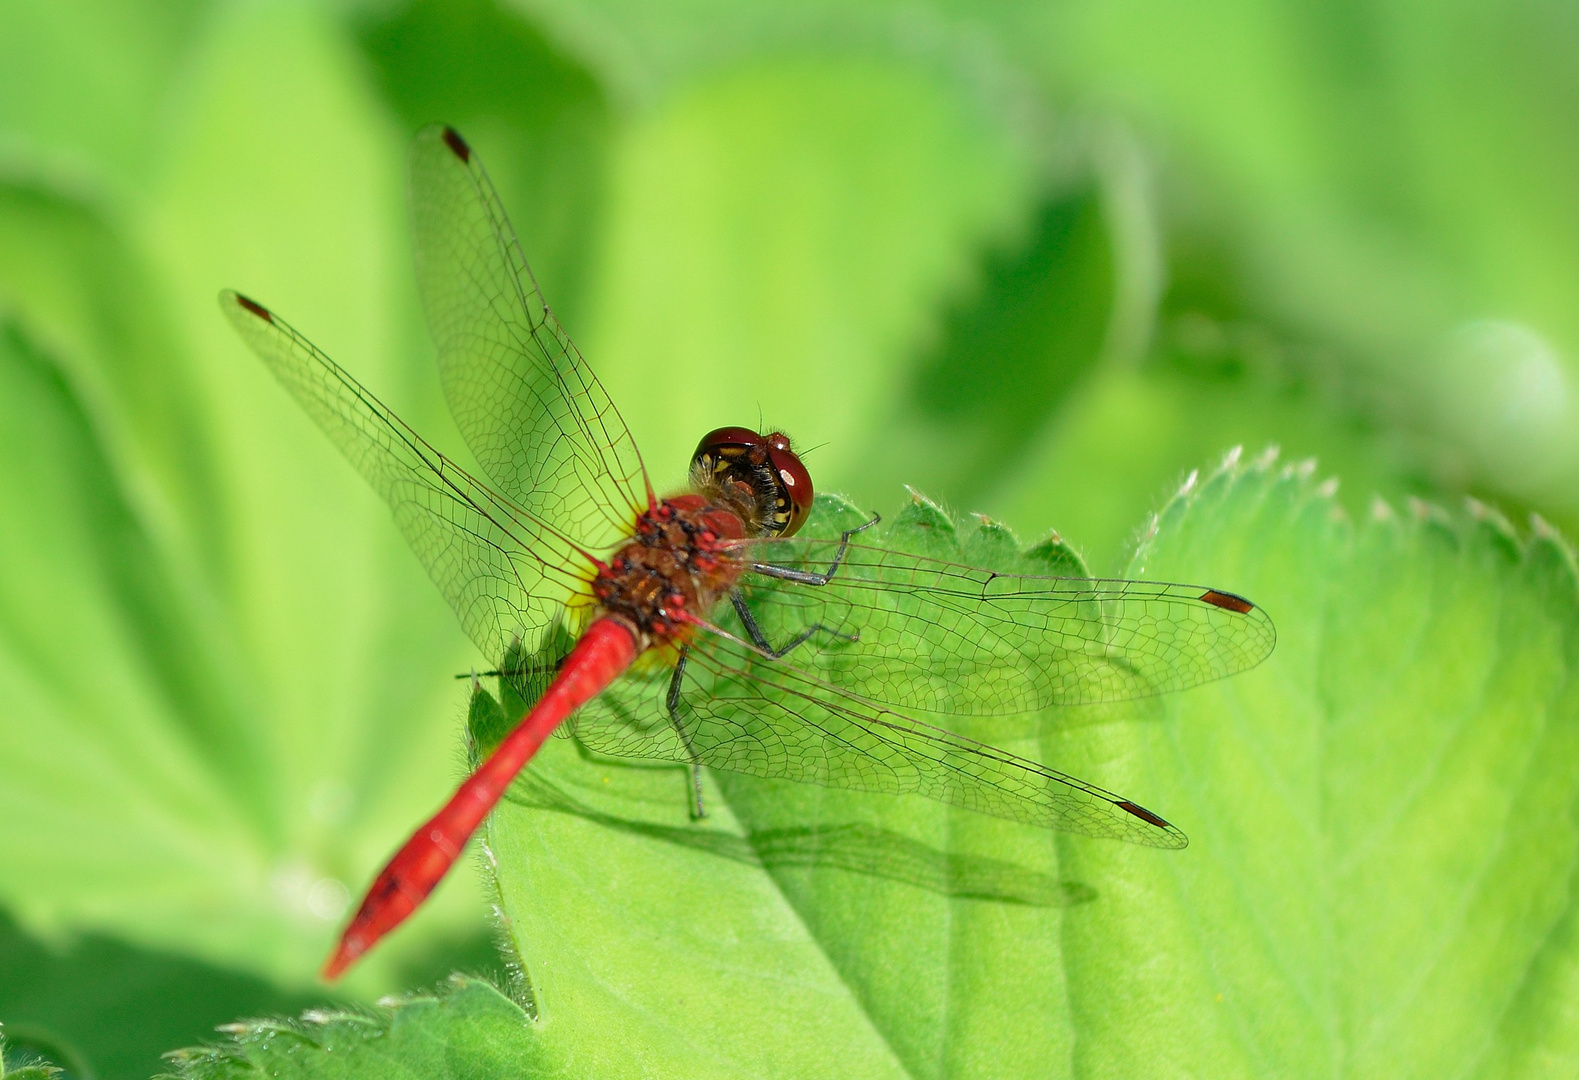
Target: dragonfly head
759, 477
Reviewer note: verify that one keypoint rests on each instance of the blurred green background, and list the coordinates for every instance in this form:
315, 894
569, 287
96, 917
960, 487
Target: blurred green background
1035, 260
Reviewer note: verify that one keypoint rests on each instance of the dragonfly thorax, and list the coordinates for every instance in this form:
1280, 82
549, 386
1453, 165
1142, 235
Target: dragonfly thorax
675, 568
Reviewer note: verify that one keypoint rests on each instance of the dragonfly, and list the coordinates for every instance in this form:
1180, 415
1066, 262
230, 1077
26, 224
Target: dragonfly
733, 641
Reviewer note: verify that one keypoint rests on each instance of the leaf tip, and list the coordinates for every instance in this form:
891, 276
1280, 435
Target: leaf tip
1426, 512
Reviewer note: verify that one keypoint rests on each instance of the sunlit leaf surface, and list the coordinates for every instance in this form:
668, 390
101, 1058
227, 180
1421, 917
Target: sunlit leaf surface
465, 1030
1340, 907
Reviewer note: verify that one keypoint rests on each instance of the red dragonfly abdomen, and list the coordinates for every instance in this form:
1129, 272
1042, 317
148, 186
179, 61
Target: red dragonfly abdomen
606, 649
654, 589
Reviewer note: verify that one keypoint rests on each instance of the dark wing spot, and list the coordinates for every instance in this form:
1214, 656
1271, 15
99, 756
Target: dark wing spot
1227, 601
1141, 812
457, 145
256, 308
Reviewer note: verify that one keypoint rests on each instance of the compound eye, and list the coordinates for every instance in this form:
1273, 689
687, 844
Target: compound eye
795, 491
724, 438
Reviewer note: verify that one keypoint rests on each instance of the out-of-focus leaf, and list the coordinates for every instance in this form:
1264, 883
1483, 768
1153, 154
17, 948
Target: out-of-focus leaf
1008, 353
102, 1008
82, 88
644, 51
1128, 436
753, 292
539, 120
106, 757
288, 183
775, 240
468, 1030
1395, 183
1217, 373
85, 294
224, 678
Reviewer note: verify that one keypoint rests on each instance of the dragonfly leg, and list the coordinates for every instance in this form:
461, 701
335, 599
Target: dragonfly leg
812, 577
698, 811
760, 640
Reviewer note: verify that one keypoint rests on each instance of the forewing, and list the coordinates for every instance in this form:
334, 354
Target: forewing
940, 637
506, 573
769, 718
539, 423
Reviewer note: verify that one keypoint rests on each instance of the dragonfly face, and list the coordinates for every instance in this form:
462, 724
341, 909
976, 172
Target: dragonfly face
681, 560
758, 476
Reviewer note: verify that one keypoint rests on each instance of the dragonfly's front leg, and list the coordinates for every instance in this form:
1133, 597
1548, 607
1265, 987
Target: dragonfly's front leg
812, 577
760, 640
672, 702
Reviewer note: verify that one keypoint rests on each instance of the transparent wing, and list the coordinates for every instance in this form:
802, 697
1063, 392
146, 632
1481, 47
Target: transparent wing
506, 572
771, 719
947, 638
541, 426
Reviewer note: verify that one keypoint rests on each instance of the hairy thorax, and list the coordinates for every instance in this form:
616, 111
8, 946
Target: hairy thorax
673, 570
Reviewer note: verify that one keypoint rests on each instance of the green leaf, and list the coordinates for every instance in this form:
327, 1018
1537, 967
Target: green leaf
224, 677
205, 620
541, 120
1379, 877
1391, 183
34, 1072
1009, 355
1382, 816
1126, 436
84, 291
468, 1029
775, 241
101, 1008
82, 85
31, 1071
1366, 156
